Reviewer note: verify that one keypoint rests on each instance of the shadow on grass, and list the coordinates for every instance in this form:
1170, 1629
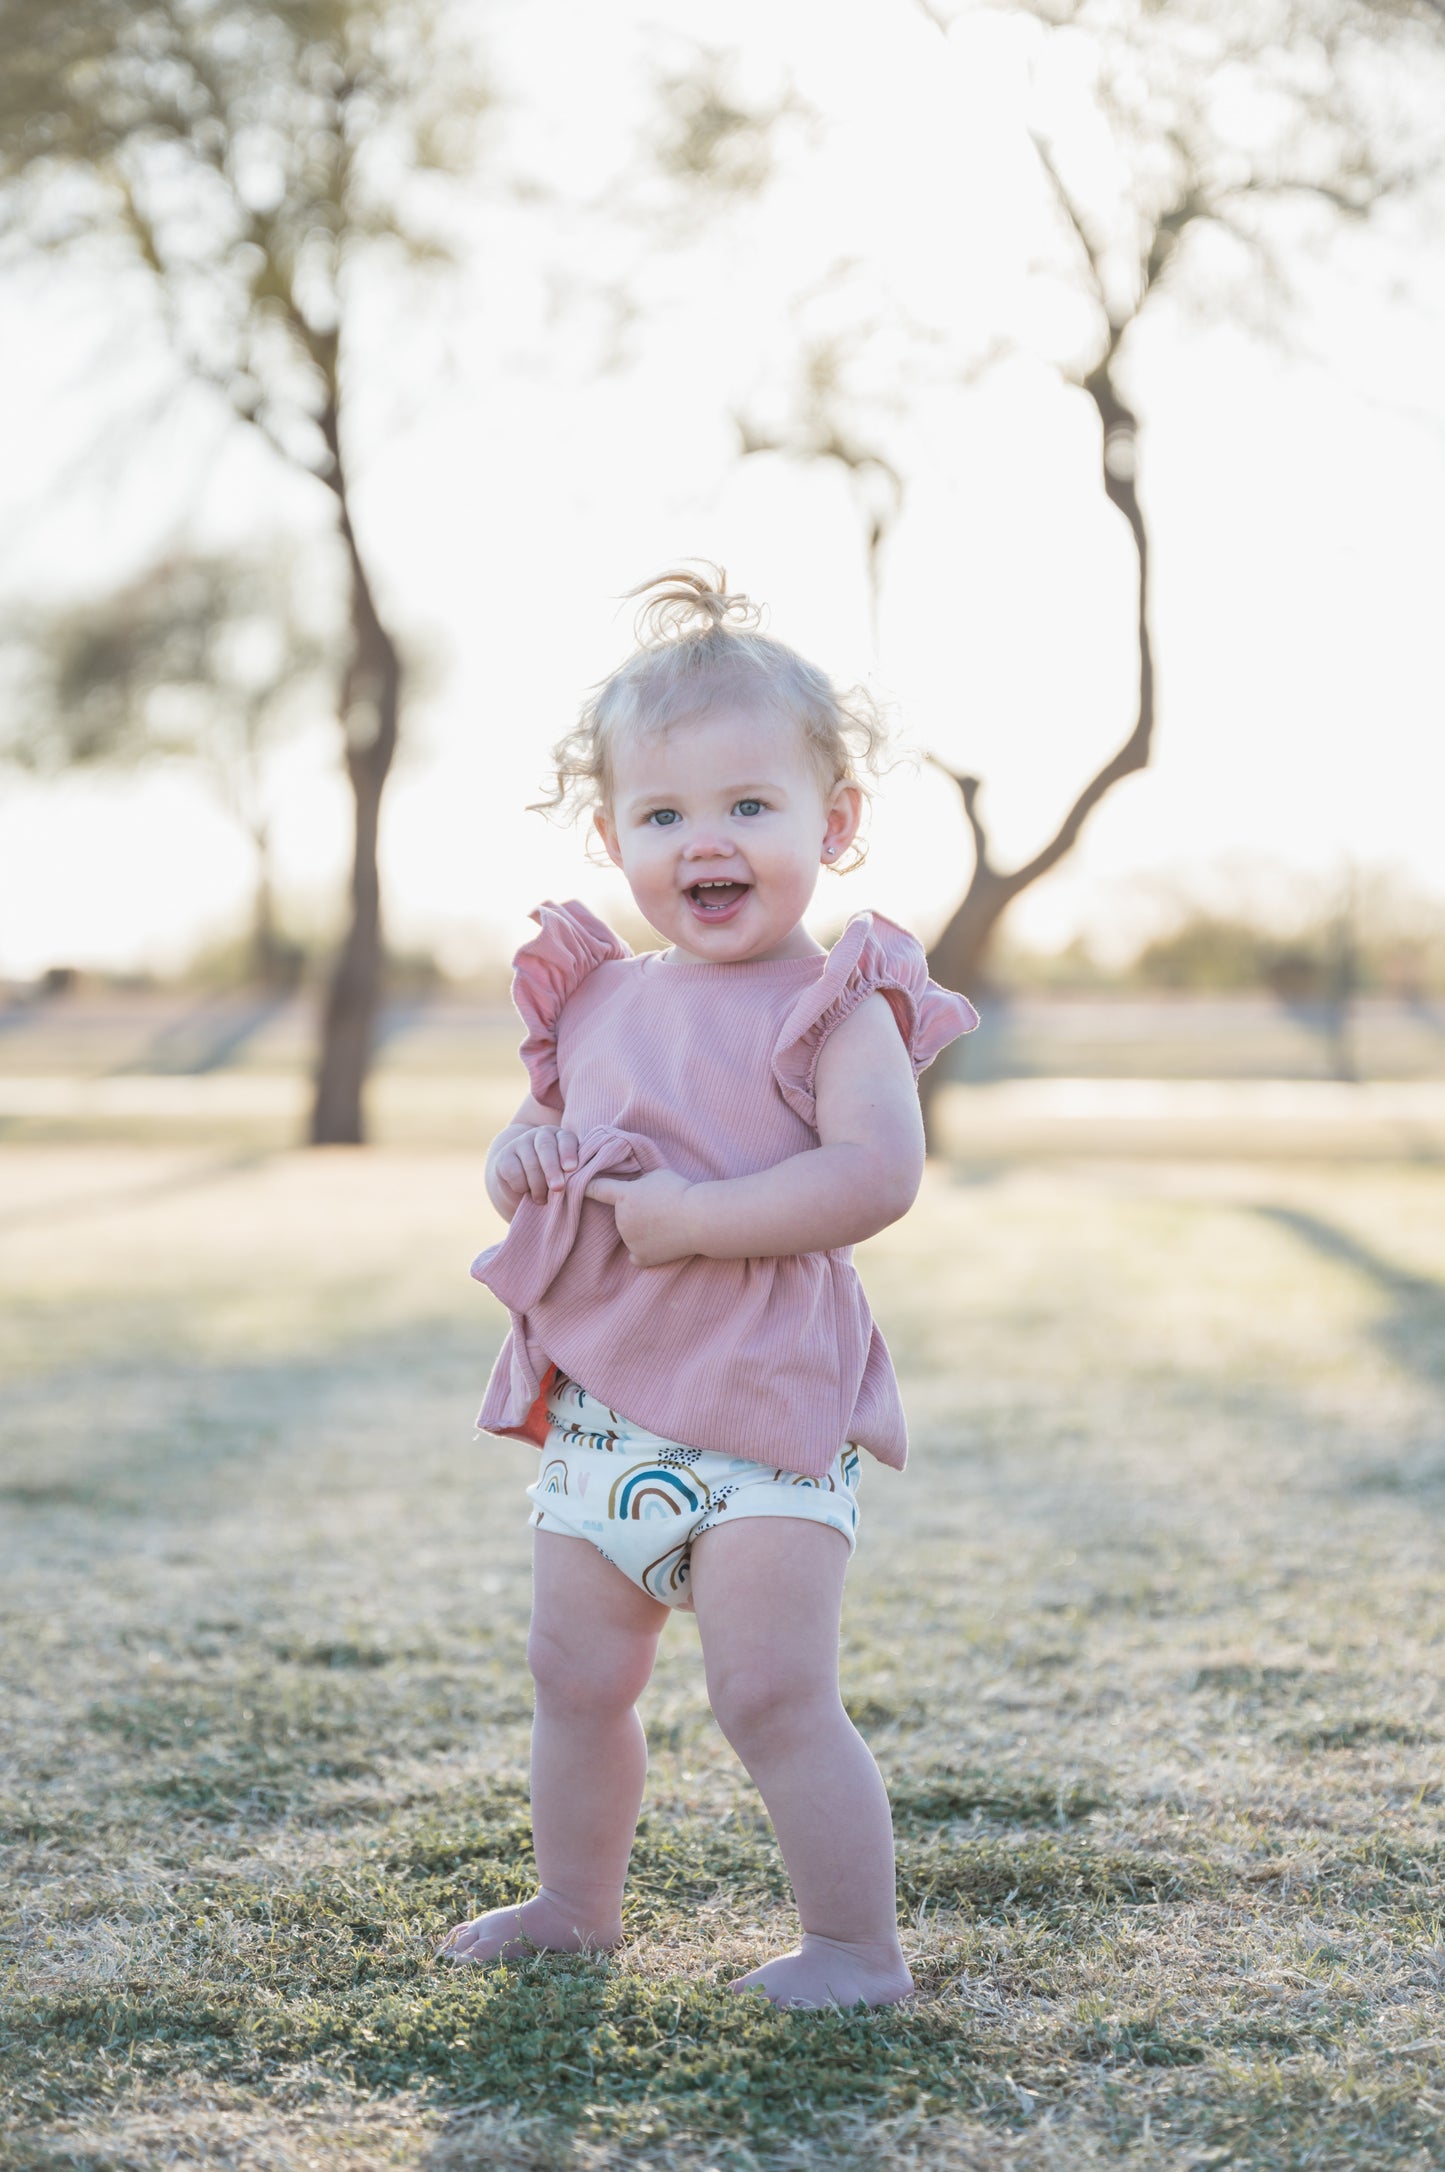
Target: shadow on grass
682, 1861
161, 1435
1412, 1330
575, 2039
217, 1169
482, 1858
206, 1713
1048, 1876
946, 1797
207, 1036
330, 1979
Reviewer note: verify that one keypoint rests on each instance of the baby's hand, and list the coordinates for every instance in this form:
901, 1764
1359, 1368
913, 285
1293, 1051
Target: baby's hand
649, 1219
536, 1164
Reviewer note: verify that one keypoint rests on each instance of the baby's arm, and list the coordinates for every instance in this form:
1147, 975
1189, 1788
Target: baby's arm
864, 1174
533, 1157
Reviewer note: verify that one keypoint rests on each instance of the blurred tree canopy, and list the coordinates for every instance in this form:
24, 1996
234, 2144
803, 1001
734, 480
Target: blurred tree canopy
257, 161
205, 659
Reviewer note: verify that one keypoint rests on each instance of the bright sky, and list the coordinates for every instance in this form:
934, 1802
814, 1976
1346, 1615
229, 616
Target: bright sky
509, 490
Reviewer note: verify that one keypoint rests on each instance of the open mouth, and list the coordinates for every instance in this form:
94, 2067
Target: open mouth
717, 900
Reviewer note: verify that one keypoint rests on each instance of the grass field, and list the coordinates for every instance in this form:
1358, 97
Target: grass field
1148, 1640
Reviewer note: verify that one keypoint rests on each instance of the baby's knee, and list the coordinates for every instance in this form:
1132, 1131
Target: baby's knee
754, 1705
586, 1677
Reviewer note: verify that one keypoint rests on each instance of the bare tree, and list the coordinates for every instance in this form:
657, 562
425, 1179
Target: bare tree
254, 160
1215, 114
203, 659
1203, 116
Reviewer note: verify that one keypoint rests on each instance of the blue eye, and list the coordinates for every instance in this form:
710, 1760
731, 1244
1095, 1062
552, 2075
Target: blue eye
664, 817
748, 807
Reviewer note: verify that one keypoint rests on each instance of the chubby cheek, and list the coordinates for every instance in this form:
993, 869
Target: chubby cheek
650, 871
795, 878
651, 883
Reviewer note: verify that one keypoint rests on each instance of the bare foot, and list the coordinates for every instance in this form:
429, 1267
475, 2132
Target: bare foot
540, 1925
826, 1972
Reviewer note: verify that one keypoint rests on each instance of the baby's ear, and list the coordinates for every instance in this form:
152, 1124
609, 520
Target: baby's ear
845, 813
606, 829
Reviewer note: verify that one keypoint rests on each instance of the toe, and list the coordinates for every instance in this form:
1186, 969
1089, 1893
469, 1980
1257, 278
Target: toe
461, 1944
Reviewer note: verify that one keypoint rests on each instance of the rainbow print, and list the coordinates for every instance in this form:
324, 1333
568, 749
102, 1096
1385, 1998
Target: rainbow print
656, 1490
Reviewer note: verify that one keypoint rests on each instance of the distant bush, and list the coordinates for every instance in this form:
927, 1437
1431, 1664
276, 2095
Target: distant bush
1073, 970
1213, 955
1342, 953
1376, 938
412, 973
1206, 953
228, 964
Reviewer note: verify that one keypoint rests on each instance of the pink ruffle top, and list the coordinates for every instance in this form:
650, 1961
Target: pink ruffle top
708, 1070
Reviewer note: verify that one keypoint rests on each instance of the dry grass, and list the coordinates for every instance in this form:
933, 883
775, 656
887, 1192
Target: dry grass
1148, 1640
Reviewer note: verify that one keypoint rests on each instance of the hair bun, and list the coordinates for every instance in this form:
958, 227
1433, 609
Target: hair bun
684, 605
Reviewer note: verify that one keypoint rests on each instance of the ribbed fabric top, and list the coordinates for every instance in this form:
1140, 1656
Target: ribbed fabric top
708, 1070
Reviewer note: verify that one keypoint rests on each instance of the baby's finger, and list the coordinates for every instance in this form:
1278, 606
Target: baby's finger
569, 1150
512, 1174
608, 1189
549, 1155
534, 1175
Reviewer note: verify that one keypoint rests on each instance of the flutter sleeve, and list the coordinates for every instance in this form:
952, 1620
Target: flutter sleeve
871, 957
573, 942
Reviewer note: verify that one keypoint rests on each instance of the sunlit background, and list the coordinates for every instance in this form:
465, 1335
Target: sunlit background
755, 288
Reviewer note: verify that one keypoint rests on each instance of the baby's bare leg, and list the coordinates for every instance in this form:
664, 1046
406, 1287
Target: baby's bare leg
593, 1642
768, 1593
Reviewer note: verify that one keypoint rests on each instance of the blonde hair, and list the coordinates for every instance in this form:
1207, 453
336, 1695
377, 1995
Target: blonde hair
700, 647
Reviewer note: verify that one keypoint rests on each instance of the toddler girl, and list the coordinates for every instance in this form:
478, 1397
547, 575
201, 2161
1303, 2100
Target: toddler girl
710, 1129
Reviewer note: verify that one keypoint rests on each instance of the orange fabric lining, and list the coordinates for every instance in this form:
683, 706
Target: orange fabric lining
534, 1425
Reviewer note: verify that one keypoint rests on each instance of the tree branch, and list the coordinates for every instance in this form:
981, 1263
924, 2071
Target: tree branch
1132, 756
877, 486
969, 787
1081, 232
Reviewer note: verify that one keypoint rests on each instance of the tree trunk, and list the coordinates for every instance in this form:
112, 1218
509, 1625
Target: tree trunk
269, 961
370, 714
1342, 986
349, 1018
957, 959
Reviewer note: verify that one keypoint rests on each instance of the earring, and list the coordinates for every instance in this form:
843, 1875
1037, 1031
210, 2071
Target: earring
830, 850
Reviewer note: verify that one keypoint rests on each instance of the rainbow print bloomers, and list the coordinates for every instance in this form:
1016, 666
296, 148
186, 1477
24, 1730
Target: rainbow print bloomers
642, 1500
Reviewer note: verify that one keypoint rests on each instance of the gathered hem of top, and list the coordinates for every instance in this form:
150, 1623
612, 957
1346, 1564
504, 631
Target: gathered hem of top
502, 1414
